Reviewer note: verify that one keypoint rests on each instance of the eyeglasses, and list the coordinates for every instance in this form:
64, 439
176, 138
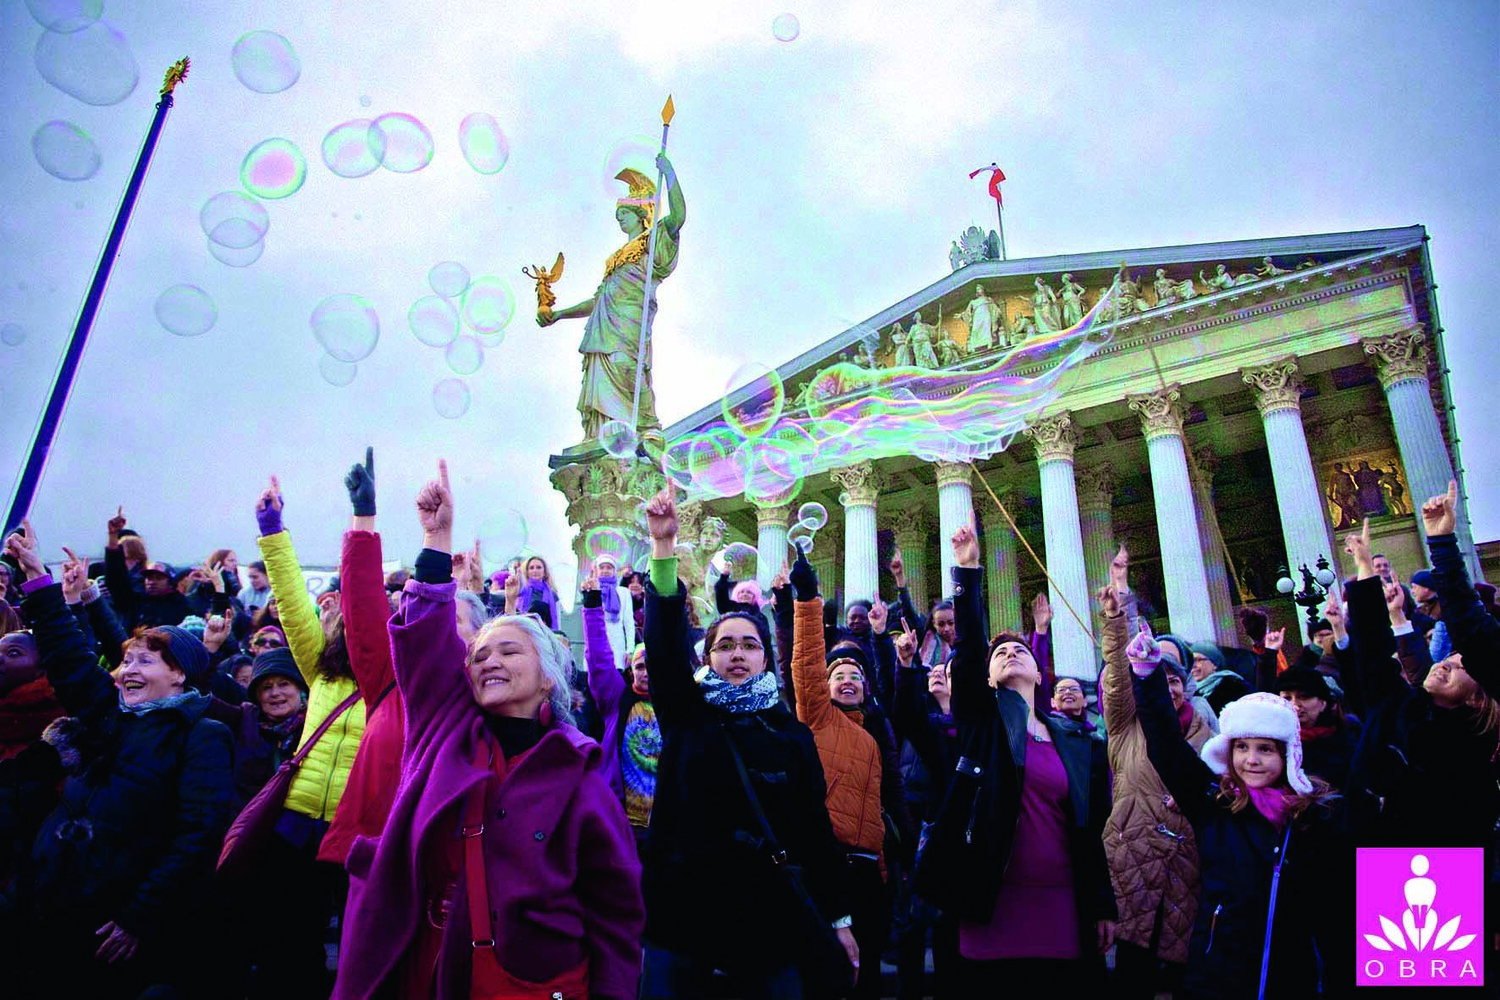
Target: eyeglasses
730, 645
268, 643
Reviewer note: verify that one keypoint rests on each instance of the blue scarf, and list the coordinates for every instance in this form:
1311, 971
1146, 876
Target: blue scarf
755, 695
609, 590
171, 701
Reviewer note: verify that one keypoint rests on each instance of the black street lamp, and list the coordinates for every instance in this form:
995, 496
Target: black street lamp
1314, 588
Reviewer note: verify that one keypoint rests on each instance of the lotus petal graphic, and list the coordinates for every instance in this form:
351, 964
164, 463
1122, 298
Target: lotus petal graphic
1420, 937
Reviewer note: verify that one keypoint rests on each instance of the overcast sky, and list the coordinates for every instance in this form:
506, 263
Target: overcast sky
825, 177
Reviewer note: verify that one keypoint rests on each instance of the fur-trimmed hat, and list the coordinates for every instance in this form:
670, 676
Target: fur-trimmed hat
850, 651
1265, 716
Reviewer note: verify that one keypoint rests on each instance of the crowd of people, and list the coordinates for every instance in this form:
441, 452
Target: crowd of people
214, 784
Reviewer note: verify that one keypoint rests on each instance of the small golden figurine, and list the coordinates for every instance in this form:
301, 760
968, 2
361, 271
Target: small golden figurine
176, 75
544, 278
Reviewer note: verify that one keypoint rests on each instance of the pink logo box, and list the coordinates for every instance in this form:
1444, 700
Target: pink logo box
1420, 916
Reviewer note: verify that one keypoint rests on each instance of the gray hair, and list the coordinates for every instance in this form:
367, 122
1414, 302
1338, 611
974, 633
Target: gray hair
470, 603
549, 651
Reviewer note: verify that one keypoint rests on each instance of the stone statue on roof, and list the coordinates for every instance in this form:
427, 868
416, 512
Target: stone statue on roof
985, 322
921, 337
1046, 314
1072, 301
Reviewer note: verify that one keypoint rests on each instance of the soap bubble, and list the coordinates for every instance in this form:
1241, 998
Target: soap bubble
450, 279
347, 326
601, 542
265, 62
758, 400
637, 152
737, 558
65, 16
408, 144
618, 439
12, 334
237, 256
503, 534
234, 220
434, 321
336, 372
465, 356
364, 100
786, 27
812, 514
483, 144
93, 64
275, 168
450, 398
800, 536
65, 151
489, 305
186, 310
354, 149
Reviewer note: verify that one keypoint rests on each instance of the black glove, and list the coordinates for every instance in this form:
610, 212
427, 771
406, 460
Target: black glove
360, 482
593, 598
804, 578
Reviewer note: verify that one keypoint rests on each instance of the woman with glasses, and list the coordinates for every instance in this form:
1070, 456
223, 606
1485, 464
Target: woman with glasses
712, 863
506, 867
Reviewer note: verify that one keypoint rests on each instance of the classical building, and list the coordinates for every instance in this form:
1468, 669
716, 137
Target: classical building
1256, 399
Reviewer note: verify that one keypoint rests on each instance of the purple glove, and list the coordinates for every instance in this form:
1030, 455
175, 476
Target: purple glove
1144, 654
268, 516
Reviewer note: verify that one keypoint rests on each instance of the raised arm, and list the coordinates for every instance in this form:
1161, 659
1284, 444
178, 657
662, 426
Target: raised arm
973, 702
299, 616
783, 613
426, 652
1374, 674
1190, 781
1473, 632
676, 203
1117, 695
814, 706
362, 598
674, 694
605, 682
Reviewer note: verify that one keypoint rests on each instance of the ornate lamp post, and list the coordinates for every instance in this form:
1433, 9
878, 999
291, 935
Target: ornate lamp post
1314, 588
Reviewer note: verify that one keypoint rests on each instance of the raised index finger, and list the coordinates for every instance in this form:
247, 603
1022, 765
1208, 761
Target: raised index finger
443, 472
370, 462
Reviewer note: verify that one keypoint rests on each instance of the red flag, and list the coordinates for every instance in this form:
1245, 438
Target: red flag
996, 176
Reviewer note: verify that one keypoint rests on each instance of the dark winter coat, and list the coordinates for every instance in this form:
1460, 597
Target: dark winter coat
137, 609
1429, 775
992, 728
701, 874
136, 834
1237, 854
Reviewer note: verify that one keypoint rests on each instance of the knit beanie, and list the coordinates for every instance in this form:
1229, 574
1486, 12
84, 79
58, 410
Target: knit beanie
1211, 652
1261, 715
194, 624
847, 651
188, 651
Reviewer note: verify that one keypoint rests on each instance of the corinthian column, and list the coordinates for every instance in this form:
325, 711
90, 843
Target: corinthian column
1176, 520
1073, 646
913, 530
1002, 572
1278, 396
955, 509
1401, 363
861, 485
770, 543
1205, 464
1096, 499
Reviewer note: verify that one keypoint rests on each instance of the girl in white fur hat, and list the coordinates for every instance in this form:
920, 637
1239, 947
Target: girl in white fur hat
1271, 841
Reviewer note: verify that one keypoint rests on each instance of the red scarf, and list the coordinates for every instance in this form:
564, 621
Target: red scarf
1185, 716
1318, 733
24, 713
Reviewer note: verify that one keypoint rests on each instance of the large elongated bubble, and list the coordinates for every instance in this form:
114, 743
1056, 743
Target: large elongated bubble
93, 64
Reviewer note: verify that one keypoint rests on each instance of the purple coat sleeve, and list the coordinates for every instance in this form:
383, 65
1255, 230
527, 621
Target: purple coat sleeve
609, 887
428, 656
608, 688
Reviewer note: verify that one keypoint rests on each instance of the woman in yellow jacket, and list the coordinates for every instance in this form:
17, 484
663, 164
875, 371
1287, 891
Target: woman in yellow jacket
830, 693
288, 934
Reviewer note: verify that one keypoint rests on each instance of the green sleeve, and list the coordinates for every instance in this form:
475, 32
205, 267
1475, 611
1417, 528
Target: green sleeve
664, 576
294, 605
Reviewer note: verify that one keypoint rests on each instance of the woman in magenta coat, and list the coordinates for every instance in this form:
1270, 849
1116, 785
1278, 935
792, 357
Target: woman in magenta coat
559, 867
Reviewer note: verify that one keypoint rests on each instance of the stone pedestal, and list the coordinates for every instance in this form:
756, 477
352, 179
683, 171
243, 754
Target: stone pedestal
604, 494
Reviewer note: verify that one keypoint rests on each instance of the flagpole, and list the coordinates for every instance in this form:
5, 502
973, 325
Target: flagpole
667, 112
1000, 217
41, 446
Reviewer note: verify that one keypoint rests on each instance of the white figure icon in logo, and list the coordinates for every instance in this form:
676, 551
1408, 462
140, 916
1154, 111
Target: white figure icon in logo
1420, 920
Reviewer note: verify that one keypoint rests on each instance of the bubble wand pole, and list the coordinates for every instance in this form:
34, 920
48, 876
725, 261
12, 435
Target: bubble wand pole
667, 112
57, 401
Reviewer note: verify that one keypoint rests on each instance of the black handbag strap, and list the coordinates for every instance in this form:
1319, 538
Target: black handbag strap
778, 855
